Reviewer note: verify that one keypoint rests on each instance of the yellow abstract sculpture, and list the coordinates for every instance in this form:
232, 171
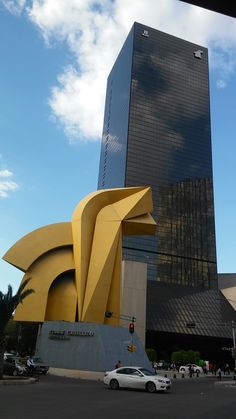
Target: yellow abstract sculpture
75, 267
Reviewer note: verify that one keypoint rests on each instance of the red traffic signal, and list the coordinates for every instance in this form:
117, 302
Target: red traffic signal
131, 328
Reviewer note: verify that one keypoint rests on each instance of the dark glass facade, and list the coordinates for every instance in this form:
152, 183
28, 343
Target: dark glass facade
157, 132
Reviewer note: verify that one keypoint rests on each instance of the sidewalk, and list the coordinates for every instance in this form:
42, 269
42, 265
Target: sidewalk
173, 375
86, 375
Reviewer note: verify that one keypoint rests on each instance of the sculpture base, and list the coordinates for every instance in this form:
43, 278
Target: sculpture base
88, 346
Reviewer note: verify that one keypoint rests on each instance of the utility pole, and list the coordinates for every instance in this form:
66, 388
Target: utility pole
234, 348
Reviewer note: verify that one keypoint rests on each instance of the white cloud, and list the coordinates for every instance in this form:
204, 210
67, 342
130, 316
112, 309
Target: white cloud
14, 6
6, 186
221, 84
94, 32
5, 173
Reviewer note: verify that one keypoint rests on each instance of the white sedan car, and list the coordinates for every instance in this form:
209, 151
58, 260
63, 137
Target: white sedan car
136, 377
195, 368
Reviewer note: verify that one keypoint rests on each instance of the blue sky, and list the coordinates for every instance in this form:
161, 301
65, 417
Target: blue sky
55, 58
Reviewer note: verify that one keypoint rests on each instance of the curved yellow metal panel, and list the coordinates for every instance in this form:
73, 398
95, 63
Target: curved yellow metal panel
30, 247
42, 273
62, 299
101, 270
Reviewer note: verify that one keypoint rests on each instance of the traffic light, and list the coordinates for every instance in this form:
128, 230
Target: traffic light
131, 328
131, 348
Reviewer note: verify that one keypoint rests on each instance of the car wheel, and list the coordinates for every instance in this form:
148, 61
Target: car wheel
114, 385
150, 387
198, 371
14, 373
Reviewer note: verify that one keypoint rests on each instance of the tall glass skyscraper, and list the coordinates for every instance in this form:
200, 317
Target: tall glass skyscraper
157, 132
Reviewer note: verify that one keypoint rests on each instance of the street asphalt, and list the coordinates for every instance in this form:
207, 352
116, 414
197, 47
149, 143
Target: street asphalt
69, 398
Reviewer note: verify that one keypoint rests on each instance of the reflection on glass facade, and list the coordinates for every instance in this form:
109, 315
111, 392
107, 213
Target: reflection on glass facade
157, 132
171, 308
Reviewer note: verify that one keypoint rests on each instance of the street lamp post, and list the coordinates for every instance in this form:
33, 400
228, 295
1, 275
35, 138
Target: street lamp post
234, 348
192, 325
233, 335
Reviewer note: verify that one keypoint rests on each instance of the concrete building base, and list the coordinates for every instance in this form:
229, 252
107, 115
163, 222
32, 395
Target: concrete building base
88, 346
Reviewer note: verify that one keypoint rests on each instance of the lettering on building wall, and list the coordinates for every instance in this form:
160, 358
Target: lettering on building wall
66, 335
198, 54
145, 33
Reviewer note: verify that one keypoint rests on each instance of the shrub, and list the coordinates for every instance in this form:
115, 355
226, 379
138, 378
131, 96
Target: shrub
151, 353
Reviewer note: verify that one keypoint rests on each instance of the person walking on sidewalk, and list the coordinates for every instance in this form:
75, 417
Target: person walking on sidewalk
219, 373
118, 365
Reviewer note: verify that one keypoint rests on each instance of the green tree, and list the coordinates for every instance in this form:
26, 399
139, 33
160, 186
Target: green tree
179, 357
185, 357
21, 337
8, 304
152, 354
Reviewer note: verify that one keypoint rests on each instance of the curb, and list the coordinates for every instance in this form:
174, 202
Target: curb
17, 381
226, 383
79, 374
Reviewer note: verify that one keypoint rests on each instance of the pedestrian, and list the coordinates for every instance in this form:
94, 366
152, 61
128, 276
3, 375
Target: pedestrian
227, 369
118, 365
30, 365
191, 370
204, 368
219, 373
154, 365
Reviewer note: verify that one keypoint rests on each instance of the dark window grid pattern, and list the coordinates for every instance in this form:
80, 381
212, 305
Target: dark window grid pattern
160, 99
174, 269
148, 130
167, 43
182, 95
169, 113
183, 136
155, 69
166, 151
195, 168
205, 312
153, 138
184, 204
174, 109
170, 156
170, 126
169, 58
168, 160
153, 131
165, 157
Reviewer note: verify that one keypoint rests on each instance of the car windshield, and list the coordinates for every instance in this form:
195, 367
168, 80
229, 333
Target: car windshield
145, 371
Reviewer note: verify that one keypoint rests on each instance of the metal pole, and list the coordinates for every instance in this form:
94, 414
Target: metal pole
234, 348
